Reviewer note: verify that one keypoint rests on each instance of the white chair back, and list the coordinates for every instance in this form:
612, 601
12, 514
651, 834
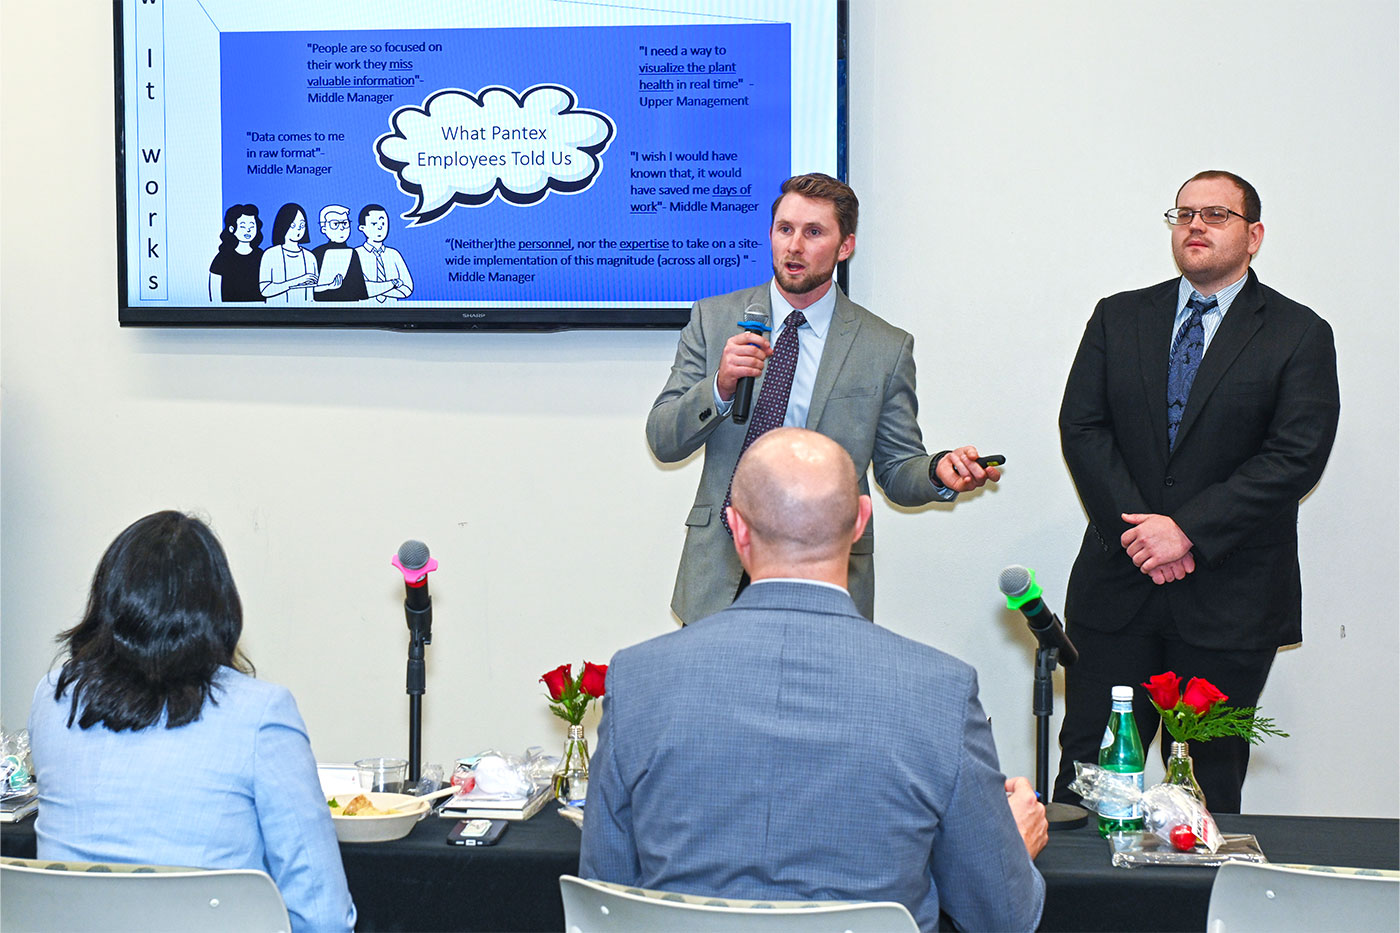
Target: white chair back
1263, 898
92, 896
594, 907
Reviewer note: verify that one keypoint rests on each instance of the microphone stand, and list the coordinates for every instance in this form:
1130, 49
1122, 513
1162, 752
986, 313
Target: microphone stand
1058, 815
420, 634
418, 613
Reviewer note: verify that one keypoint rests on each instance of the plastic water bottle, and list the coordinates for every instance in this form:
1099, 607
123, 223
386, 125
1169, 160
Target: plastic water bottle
1121, 752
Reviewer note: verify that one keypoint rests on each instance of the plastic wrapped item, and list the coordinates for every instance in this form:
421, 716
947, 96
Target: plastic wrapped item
16, 770
1176, 817
494, 772
1103, 790
1175, 823
429, 780
1134, 850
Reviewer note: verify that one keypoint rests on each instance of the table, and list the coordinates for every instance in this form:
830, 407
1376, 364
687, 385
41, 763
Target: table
421, 883
1083, 891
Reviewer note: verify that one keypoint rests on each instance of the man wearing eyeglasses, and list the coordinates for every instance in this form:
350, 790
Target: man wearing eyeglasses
338, 286
1197, 413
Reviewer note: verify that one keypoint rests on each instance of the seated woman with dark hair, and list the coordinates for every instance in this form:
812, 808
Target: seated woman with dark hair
153, 743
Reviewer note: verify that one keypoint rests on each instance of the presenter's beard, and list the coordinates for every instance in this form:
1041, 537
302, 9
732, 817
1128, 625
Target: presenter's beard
809, 280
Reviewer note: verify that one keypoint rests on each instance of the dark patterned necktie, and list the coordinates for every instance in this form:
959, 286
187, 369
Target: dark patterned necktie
1187, 349
771, 408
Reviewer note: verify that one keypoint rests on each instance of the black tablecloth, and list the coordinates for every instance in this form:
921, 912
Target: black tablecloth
421, 883
1083, 891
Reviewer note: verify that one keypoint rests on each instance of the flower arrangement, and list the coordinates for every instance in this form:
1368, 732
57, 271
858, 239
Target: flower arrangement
1198, 712
569, 696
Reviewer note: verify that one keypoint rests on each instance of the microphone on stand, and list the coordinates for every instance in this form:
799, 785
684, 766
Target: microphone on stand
1018, 585
414, 562
755, 321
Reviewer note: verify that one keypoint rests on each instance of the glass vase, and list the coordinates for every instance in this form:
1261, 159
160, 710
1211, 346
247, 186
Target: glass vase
571, 777
1182, 773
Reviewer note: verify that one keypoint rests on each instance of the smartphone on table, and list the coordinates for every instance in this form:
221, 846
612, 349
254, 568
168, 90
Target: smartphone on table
476, 832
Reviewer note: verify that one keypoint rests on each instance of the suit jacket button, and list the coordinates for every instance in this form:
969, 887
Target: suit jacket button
705, 415
1169, 481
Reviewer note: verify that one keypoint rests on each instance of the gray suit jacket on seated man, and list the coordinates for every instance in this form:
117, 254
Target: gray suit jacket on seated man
854, 383
787, 748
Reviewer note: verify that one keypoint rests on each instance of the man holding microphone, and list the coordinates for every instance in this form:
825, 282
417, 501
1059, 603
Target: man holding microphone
832, 366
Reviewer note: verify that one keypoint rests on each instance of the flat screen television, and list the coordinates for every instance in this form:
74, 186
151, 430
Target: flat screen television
415, 164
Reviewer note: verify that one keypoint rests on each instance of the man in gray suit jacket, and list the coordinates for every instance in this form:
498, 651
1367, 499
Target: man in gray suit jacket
786, 748
853, 381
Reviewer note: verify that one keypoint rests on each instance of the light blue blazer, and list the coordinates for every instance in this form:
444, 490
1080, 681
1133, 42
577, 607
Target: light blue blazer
237, 788
787, 748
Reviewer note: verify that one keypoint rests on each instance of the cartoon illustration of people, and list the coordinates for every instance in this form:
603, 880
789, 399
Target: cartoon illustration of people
287, 271
233, 275
381, 264
340, 275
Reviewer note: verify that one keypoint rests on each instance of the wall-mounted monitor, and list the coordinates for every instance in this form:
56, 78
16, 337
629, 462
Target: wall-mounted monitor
521, 164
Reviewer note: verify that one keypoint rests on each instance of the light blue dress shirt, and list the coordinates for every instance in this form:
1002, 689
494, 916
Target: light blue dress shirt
811, 340
1210, 320
236, 788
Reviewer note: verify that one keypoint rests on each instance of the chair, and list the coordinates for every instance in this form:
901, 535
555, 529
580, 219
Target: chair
600, 907
39, 896
1253, 898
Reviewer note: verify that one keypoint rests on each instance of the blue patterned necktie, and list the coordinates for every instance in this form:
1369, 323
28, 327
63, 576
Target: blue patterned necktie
770, 410
1187, 349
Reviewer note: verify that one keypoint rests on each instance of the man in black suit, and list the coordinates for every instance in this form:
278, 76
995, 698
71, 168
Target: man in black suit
1196, 415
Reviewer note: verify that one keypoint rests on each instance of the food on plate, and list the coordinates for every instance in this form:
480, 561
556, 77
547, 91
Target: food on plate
362, 806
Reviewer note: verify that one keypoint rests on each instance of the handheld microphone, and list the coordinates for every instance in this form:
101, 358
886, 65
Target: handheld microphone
1018, 585
755, 321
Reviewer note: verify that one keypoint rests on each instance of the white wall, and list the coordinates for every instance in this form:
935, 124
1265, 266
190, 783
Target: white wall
1013, 161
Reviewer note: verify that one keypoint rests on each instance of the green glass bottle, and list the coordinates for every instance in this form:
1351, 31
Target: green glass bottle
1121, 751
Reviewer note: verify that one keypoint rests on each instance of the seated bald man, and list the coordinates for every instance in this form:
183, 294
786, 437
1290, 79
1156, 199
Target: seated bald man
787, 748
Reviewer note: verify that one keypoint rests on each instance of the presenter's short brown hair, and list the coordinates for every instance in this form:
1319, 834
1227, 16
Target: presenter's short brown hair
821, 187
1252, 211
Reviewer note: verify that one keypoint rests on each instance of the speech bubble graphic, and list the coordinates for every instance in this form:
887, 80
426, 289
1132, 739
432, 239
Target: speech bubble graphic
462, 148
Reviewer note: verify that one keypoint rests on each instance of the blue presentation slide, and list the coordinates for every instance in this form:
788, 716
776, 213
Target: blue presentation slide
495, 181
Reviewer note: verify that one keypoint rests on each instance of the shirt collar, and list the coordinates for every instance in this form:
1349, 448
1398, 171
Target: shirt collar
1223, 298
818, 314
831, 586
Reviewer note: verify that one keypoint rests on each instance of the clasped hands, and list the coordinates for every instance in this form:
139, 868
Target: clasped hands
1158, 547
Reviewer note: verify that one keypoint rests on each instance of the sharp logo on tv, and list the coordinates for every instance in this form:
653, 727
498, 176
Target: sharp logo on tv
523, 164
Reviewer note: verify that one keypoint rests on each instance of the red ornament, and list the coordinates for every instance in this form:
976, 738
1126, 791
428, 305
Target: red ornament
1183, 838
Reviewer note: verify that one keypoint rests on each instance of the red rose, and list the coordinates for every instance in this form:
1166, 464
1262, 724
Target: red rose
557, 679
593, 679
1164, 689
1200, 694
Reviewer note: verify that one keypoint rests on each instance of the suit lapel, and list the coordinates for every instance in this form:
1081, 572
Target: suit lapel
1154, 352
1240, 324
845, 323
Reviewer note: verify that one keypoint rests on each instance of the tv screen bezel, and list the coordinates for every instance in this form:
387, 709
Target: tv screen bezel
409, 318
